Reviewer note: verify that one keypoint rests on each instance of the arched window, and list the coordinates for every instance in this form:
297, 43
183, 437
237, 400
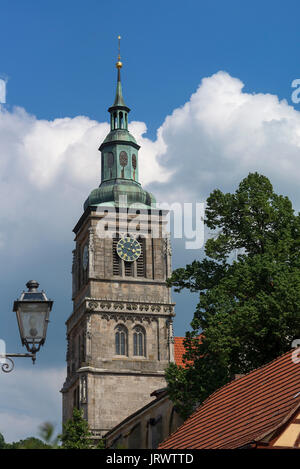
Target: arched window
121, 340
121, 120
139, 342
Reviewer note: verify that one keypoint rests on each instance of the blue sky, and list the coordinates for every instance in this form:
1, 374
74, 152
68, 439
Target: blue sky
59, 55
58, 58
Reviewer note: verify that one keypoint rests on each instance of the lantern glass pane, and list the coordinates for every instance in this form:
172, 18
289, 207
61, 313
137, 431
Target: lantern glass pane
33, 296
32, 318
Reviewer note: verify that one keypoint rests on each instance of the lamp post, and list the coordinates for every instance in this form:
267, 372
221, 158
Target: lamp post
32, 310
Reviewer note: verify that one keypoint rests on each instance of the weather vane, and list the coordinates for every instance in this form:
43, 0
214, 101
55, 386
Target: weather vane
119, 63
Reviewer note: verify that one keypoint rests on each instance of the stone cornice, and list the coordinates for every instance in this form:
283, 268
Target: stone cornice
97, 212
70, 381
100, 371
121, 310
119, 280
133, 281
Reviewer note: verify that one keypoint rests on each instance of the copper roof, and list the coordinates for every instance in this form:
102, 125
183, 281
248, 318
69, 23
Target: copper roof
243, 411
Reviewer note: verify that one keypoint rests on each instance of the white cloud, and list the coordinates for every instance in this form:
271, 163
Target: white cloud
222, 133
29, 398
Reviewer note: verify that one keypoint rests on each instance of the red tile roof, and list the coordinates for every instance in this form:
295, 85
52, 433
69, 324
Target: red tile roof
244, 410
179, 351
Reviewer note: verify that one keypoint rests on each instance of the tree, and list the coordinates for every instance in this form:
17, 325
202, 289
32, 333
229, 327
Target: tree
2, 442
28, 443
249, 308
76, 433
46, 431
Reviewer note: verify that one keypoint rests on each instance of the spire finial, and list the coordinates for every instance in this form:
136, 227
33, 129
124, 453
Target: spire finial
119, 63
119, 101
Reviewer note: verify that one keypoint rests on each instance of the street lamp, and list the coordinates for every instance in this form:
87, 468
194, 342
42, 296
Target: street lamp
32, 310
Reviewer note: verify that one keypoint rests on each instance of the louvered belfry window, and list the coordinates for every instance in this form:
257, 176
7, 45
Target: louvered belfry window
128, 267
116, 258
140, 263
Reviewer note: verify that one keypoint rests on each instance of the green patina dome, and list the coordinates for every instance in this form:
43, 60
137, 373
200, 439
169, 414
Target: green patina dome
119, 135
120, 192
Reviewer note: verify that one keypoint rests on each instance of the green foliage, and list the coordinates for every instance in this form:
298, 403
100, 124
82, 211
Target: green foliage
101, 445
249, 309
76, 434
46, 432
28, 443
2, 442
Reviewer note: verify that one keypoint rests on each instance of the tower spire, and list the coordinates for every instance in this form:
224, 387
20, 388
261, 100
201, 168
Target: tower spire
119, 100
119, 160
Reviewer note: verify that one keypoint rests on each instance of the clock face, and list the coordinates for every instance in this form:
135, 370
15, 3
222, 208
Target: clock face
85, 257
129, 249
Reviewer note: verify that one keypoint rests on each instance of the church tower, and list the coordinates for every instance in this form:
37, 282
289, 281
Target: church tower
119, 334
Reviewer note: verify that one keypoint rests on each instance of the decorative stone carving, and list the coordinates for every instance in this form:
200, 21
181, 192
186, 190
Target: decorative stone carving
167, 245
74, 270
168, 254
83, 389
91, 249
169, 325
121, 306
128, 317
88, 338
68, 355
72, 347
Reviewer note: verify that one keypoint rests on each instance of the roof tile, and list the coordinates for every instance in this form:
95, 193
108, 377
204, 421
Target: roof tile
243, 410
